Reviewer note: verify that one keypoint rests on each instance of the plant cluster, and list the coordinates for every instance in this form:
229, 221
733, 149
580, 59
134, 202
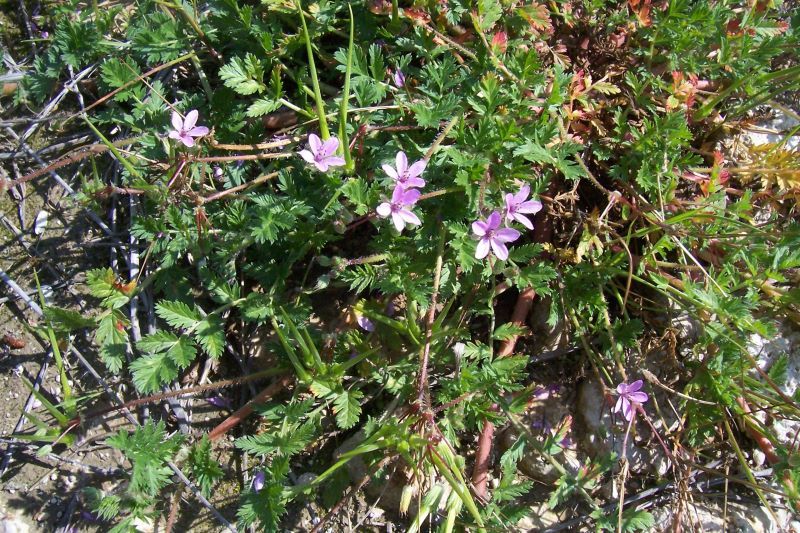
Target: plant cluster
566, 152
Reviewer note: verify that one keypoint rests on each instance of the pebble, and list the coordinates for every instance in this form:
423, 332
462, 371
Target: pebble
53, 476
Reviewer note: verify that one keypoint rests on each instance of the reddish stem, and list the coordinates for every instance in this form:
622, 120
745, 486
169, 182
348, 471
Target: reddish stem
242, 413
521, 310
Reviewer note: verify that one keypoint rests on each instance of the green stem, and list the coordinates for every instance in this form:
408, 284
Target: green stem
323, 121
344, 144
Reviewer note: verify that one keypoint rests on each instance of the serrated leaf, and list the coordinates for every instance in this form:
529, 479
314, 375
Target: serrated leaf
180, 350
604, 87
347, 408
210, 335
178, 314
508, 330
244, 75
151, 372
779, 369
66, 319
262, 107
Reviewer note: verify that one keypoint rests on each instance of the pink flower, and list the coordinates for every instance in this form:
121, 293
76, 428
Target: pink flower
404, 175
397, 208
321, 153
493, 236
185, 130
399, 79
629, 397
519, 203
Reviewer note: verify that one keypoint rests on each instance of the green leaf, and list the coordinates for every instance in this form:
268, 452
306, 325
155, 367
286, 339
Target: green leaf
180, 349
210, 335
148, 450
245, 76
347, 408
262, 107
66, 319
178, 314
151, 372
205, 469
508, 330
779, 369
115, 73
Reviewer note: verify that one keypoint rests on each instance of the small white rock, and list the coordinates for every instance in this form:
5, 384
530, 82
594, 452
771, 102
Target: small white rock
40, 224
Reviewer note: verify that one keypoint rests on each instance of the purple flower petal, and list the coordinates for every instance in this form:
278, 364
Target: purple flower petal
415, 182
506, 235
636, 385
307, 155
177, 121
409, 217
402, 163
482, 250
499, 249
530, 207
398, 221
522, 219
174, 135
365, 323
390, 171
417, 168
335, 161
410, 196
329, 147
258, 481
397, 194
314, 142
198, 131
638, 397
191, 119
523, 194
384, 210
479, 228
493, 222
187, 140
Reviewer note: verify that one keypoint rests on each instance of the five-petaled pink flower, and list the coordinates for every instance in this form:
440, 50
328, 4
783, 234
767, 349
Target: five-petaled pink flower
492, 235
519, 203
185, 130
398, 207
404, 175
320, 154
629, 397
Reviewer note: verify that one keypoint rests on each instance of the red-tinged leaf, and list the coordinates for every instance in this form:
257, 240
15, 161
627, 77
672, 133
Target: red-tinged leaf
417, 15
538, 16
499, 42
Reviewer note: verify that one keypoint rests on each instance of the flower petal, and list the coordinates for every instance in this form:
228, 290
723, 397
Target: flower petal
511, 205
177, 121
415, 182
409, 217
500, 249
522, 219
390, 171
523, 194
174, 135
187, 140
384, 209
479, 228
622, 388
493, 222
397, 194
402, 163
531, 207
410, 196
335, 161
191, 119
417, 168
636, 385
506, 235
314, 142
482, 250
639, 397
308, 156
618, 405
329, 147
399, 223
198, 131
322, 165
